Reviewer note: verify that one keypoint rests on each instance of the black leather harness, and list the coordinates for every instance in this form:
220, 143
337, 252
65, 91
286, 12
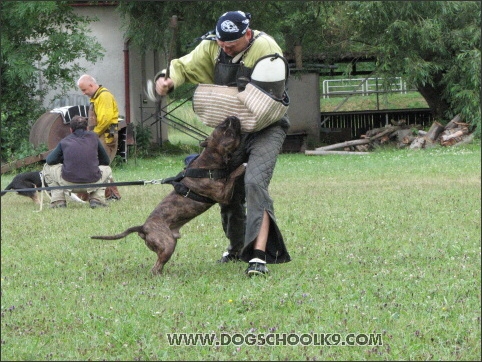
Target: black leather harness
185, 191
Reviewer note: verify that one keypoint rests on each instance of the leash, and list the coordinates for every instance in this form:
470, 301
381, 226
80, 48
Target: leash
41, 174
174, 181
88, 186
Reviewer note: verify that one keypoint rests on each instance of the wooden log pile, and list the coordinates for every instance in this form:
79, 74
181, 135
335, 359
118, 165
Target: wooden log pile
402, 135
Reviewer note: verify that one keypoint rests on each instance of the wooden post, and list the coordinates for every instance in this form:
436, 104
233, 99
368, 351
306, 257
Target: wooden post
343, 144
298, 57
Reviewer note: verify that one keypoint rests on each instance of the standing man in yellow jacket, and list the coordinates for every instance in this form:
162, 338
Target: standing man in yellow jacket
103, 120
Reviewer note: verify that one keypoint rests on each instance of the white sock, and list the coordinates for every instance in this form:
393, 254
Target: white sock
257, 260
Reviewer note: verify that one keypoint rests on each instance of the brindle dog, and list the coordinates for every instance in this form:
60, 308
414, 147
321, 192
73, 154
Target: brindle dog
161, 229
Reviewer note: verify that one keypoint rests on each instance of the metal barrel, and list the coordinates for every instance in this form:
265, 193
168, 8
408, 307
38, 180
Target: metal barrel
49, 129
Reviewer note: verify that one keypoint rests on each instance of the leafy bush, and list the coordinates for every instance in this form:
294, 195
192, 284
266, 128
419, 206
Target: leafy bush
41, 42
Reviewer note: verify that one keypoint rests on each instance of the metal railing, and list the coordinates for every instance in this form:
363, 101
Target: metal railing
359, 86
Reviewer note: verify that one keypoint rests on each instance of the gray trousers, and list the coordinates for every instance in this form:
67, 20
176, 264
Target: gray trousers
242, 217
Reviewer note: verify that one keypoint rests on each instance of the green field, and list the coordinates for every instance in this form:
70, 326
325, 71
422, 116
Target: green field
386, 266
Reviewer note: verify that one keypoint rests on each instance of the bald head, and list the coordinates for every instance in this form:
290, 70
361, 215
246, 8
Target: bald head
87, 85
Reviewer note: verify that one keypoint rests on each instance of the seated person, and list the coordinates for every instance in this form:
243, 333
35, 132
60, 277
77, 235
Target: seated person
79, 158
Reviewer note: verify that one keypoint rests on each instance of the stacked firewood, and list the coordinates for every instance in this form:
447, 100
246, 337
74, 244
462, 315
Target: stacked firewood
402, 135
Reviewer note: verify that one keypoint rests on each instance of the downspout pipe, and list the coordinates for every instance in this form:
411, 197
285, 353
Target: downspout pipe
127, 83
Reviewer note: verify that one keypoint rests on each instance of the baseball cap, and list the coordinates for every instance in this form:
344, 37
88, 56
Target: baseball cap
232, 25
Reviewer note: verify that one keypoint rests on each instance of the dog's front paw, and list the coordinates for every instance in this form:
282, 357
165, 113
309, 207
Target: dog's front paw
239, 171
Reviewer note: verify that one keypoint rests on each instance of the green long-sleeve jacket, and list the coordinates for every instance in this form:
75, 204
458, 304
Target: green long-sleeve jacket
197, 67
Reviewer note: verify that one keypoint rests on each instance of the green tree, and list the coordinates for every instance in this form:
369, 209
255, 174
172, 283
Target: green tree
41, 43
147, 24
434, 45
291, 23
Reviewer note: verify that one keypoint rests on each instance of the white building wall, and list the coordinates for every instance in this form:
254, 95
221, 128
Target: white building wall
109, 71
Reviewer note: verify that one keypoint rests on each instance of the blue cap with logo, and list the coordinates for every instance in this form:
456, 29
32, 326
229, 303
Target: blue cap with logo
232, 25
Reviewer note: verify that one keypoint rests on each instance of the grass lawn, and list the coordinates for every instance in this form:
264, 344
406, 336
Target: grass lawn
386, 266
372, 102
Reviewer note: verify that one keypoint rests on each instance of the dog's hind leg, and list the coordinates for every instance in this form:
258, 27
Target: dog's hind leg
35, 198
163, 244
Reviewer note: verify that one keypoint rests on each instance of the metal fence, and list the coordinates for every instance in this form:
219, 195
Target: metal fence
361, 86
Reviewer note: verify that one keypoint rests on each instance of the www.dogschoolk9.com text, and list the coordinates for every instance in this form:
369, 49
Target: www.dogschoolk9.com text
274, 339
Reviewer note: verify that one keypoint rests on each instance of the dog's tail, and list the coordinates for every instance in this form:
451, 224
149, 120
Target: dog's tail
138, 228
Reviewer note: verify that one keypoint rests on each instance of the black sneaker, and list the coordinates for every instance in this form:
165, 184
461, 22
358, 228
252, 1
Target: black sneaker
257, 269
227, 258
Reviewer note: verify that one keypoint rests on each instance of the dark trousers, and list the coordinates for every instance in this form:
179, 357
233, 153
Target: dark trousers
242, 217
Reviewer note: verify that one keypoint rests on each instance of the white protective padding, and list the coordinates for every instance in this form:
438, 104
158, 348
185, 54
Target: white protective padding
263, 102
270, 69
253, 106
